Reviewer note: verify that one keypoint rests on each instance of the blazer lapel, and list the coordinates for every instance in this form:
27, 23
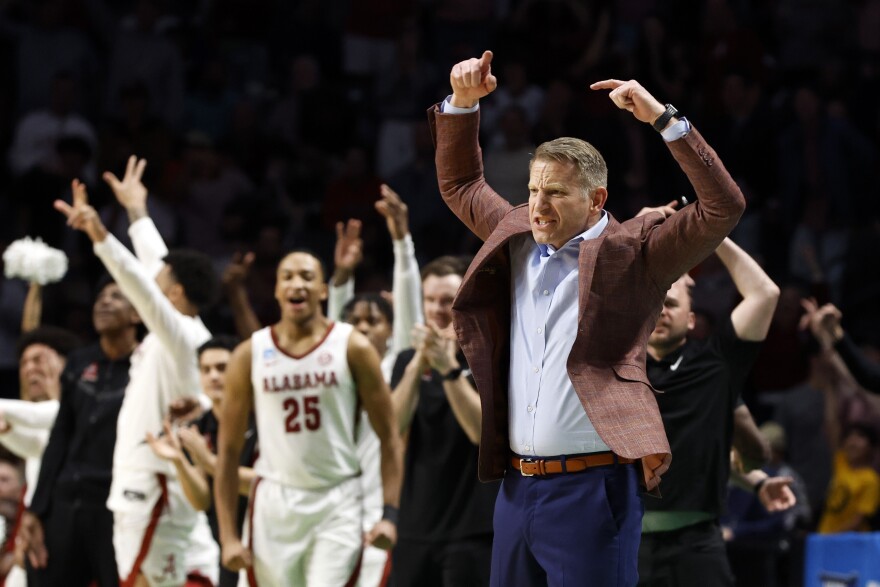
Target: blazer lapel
516, 222
589, 252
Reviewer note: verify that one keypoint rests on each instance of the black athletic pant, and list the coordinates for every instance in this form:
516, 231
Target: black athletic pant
463, 563
79, 540
694, 556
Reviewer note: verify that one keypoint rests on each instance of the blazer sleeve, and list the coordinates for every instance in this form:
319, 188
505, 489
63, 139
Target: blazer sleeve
460, 171
692, 234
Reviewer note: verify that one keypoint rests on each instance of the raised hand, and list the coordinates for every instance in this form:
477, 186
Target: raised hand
631, 96
237, 271
823, 322
667, 210
471, 80
166, 447
130, 192
395, 212
349, 250
439, 347
81, 216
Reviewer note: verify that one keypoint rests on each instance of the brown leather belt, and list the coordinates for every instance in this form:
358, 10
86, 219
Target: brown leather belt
540, 467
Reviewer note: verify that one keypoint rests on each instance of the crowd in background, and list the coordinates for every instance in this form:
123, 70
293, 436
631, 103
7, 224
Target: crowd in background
267, 121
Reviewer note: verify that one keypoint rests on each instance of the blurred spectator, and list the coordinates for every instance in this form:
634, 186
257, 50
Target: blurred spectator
435, 229
742, 131
801, 413
763, 547
817, 250
312, 113
517, 91
135, 130
807, 31
822, 156
12, 296
783, 362
38, 133
35, 191
371, 30
403, 91
210, 104
46, 46
854, 492
141, 53
208, 183
559, 114
507, 159
352, 194
459, 28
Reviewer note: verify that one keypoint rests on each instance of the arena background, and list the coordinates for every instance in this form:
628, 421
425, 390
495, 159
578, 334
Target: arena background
266, 121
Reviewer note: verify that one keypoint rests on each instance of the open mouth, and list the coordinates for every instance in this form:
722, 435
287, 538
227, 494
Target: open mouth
542, 222
297, 302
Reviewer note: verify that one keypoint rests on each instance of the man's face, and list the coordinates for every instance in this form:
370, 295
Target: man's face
676, 319
371, 322
559, 207
439, 292
857, 448
10, 482
300, 287
212, 374
112, 311
39, 370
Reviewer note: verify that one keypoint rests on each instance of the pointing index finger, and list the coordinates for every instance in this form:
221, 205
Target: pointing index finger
608, 84
486, 60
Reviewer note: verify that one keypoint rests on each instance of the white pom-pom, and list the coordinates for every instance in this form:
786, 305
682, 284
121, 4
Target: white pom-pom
34, 261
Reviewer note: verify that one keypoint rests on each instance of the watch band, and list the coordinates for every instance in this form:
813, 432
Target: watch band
664, 118
453, 374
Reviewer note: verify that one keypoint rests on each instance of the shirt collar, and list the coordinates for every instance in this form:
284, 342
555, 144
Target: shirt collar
594, 231
669, 360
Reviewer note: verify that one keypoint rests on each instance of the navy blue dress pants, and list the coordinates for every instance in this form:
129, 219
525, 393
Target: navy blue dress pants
573, 529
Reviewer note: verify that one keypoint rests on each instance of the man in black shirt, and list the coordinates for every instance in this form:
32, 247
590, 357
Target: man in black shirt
200, 440
700, 384
445, 527
68, 528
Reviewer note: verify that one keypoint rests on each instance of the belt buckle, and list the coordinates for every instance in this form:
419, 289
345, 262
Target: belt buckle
521, 471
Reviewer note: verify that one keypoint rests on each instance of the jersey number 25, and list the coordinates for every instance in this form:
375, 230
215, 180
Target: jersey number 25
311, 413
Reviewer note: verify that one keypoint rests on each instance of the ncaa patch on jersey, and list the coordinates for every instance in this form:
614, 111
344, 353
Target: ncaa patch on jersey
269, 356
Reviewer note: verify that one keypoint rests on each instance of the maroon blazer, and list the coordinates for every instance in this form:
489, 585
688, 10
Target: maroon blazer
623, 278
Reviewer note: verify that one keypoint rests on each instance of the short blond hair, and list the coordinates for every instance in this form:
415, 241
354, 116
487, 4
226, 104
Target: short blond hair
592, 170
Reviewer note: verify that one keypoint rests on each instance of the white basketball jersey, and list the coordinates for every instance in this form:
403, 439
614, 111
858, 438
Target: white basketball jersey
306, 410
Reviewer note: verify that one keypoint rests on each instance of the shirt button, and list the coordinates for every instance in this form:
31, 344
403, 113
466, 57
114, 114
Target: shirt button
546, 292
540, 330
527, 447
536, 369
530, 408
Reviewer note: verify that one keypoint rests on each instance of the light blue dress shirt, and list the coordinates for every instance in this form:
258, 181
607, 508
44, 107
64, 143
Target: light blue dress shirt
545, 414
